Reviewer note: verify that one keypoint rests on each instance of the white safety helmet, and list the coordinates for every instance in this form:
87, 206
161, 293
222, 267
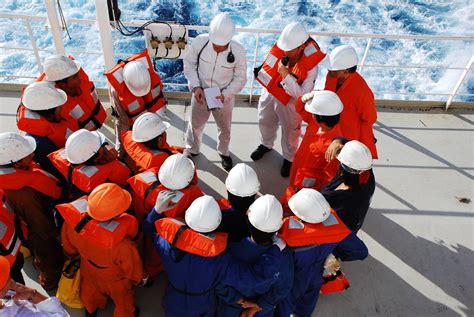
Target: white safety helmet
342, 57
137, 78
43, 96
221, 29
356, 157
82, 145
176, 172
324, 103
15, 147
148, 126
266, 214
310, 205
242, 181
292, 36
58, 67
204, 214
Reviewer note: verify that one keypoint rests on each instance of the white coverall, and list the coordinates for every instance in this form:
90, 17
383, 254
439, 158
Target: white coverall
271, 112
214, 71
50, 307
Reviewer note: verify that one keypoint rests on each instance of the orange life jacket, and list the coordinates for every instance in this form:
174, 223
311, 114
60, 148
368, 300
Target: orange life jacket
334, 283
180, 236
85, 108
133, 105
10, 242
103, 234
224, 204
31, 122
88, 177
268, 74
13, 179
297, 233
146, 187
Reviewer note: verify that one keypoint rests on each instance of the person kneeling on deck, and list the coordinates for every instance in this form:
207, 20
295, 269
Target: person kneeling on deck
31, 193
88, 161
21, 301
313, 233
350, 192
242, 186
264, 220
214, 61
146, 145
40, 115
195, 261
310, 168
289, 71
97, 229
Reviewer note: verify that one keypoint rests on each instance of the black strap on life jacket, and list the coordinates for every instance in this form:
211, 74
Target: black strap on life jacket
75, 191
154, 185
93, 115
81, 224
4, 251
180, 253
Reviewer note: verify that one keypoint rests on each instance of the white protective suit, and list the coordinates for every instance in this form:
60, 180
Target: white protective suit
271, 112
50, 307
214, 71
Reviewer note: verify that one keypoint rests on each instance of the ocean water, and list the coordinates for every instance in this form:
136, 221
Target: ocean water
433, 17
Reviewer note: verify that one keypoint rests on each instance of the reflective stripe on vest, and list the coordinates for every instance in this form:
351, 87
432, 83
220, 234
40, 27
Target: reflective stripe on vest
9, 240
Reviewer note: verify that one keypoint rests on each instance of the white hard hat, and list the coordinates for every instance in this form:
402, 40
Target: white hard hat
242, 181
15, 147
176, 172
310, 205
324, 103
42, 96
266, 214
356, 156
137, 78
58, 67
204, 214
82, 145
292, 36
342, 57
148, 126
221, 29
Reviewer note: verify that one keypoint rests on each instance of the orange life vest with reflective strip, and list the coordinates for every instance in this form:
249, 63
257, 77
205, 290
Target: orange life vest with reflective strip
10, 242
31, 122
146, 186
180, 236
13, 179
103, 234
297, 233
268, 74
133, 105
85, 108
85, 177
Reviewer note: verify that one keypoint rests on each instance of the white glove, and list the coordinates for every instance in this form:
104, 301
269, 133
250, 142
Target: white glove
279, 242
308, 97
163, 201
332, 264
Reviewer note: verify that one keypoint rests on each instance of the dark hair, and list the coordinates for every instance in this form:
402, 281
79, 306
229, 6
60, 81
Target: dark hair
62, 81
260, 237
351, 180
92, 159
330, 121
45, 113
352, 69
152, 144
240, 203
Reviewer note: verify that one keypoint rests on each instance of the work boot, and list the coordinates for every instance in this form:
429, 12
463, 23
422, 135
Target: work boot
93, 314
226, 162
188, 154
285, 168
259, 152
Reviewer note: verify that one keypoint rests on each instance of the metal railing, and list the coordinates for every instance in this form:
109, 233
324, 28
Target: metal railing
59, 46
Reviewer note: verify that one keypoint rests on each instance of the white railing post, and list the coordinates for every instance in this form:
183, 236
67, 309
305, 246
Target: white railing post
56, 29
460, 81
366, 53
35, 47
102, 17
255, 53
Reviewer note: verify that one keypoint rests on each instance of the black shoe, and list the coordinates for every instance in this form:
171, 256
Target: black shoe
137, 311
285, 168
226, 162
259, 152
93, 314
188, 154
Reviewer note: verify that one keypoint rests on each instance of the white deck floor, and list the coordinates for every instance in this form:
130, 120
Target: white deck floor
419, 233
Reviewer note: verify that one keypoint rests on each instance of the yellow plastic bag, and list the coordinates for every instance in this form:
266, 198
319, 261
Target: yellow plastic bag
69, 288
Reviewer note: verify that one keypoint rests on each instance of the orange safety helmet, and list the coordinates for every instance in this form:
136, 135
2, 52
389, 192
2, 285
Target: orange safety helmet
108, 201
4, 271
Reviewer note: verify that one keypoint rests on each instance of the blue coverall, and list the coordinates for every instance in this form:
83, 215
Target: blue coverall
266, 295
193, 278
309, 268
